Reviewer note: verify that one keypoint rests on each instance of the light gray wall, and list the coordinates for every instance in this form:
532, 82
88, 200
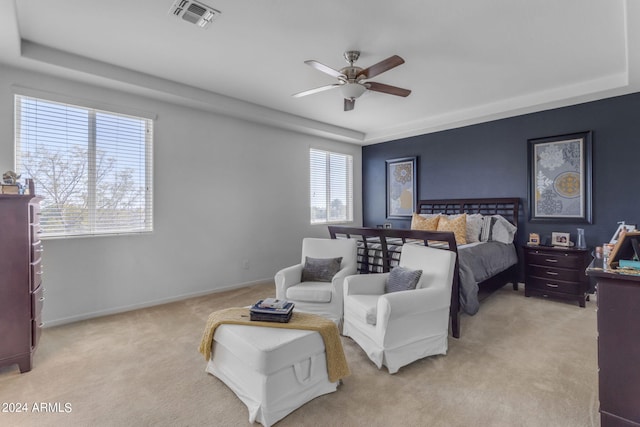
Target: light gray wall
225, 190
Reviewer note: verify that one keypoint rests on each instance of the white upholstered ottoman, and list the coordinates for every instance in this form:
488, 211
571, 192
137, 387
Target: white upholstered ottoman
273, 371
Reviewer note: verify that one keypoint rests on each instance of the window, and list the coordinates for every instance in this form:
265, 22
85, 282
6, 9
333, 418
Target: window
331, 187
92, 167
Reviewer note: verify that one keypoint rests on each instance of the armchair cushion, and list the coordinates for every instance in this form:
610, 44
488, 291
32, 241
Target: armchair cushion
310, 292
320, 269
402, 279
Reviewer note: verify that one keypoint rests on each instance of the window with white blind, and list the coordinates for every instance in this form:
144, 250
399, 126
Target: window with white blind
93, 168
331, 187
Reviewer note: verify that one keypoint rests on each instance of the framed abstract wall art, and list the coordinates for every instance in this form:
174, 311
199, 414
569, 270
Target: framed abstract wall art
401, 187
560, 178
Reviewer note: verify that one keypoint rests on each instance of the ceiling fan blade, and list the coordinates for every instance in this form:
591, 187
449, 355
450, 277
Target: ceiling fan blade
391, 90
349, 104
316, 90
325, 69
382, 66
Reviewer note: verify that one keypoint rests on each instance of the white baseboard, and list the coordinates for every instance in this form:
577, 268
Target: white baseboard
122, 309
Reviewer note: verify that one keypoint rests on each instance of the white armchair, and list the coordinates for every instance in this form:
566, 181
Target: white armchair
321, 298
398, 328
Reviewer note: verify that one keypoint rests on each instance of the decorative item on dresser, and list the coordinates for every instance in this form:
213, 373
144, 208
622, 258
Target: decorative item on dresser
618, 347
556, 272
21, 291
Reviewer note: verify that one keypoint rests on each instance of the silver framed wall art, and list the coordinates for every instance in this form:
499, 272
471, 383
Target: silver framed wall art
560, 178
401, 187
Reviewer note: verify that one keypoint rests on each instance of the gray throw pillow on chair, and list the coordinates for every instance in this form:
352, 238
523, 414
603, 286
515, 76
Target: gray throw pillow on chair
320, 269
402, 279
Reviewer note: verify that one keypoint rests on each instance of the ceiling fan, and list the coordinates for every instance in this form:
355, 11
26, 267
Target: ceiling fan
352, 80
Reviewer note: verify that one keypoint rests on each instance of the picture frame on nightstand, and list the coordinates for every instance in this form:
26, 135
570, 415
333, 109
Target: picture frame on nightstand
560, 239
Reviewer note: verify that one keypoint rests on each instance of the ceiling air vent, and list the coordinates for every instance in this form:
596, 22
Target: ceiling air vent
194, 12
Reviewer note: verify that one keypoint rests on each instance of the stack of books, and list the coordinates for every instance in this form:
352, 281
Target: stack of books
272, 310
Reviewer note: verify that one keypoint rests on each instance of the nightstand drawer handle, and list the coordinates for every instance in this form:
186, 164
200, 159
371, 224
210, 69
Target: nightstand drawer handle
551, 260
552, 273
551, 285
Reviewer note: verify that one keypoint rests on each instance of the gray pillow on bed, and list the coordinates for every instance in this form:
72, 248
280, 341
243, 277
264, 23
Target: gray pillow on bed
402, 279
497, 228
320, 269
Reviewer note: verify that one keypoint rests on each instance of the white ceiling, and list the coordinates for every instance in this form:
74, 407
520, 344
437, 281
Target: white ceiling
467, 61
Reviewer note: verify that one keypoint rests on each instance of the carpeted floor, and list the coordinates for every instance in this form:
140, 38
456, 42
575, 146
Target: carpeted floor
520, 362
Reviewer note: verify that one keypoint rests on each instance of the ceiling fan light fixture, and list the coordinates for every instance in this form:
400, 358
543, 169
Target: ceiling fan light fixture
352, 90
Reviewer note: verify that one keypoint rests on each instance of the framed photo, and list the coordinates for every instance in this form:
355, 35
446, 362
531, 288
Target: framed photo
560, 178
560, 239
616, 235
401, 187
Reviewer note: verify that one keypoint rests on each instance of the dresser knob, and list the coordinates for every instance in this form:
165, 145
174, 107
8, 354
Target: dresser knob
551, 260
552, 273
551, 285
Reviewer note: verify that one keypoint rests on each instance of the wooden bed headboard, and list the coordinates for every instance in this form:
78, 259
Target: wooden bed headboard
508, 207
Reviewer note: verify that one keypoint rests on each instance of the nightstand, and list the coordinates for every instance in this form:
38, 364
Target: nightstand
556, 272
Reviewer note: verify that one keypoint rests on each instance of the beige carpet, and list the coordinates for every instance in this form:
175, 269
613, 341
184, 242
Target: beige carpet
520, 362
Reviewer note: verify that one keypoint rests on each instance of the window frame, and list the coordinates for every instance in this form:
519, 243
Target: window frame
93, 108
348, 187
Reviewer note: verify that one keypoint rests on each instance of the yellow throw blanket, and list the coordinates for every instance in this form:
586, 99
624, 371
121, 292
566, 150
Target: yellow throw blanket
336, 361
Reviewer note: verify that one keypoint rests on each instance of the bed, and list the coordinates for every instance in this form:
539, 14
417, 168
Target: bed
484, 265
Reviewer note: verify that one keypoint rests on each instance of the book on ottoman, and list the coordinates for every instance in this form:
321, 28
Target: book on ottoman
271, 314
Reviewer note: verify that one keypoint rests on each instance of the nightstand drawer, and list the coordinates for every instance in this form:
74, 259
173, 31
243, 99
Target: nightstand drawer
555, 259
551, 273
543, 285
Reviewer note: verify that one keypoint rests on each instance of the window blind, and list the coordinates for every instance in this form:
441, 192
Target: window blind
92, 167
331, 187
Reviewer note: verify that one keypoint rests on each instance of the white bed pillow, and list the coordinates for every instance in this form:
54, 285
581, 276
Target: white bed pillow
474, 227
496, 228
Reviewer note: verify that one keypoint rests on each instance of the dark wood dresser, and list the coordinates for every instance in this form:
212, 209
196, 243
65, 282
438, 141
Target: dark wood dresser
21, 291
618, 348
556, 272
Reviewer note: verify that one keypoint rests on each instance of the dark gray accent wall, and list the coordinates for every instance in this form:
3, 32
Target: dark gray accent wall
490, 160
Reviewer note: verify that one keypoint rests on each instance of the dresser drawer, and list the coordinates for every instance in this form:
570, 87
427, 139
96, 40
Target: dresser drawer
36, 274
552, 273
555, 286
34, 213
36, 250
37, 300
36, 230
552, 259
36, 329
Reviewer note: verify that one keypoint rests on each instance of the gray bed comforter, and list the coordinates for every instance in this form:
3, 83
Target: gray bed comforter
479, 262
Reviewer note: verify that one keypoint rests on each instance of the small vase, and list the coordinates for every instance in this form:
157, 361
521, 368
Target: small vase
580, 243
